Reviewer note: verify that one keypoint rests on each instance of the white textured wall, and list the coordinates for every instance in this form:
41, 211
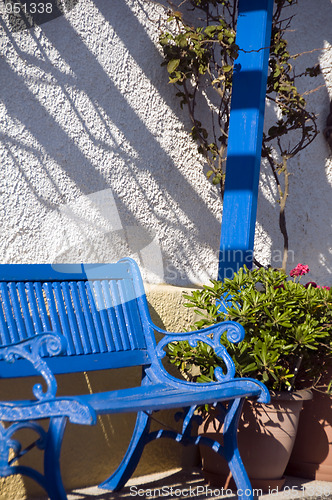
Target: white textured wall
96, 158
309, 206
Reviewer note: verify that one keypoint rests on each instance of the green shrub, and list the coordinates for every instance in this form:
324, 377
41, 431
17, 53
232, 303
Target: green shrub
288, 342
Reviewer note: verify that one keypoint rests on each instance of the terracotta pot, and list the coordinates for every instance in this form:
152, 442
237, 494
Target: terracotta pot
266, 438
312, 454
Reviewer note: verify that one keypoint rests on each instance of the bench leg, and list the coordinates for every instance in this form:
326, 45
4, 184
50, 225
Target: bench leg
232, 453
129, 463
48, 441
52, 471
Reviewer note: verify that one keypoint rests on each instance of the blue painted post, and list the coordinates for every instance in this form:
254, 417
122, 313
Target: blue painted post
245, 136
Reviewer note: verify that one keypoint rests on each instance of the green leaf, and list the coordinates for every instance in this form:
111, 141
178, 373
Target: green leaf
172, 65
210, 30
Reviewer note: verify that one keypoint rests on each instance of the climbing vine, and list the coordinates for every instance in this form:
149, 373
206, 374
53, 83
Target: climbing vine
200, 57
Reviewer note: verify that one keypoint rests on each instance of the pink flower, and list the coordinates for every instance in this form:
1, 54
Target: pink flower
299, 270
326, 287
312, 283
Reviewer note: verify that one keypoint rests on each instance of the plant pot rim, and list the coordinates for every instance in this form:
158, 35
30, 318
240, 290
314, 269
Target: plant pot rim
301, 395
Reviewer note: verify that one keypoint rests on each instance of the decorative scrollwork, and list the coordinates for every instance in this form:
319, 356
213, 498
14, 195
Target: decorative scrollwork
47, 404
11, 449
212, 337
235, 332
30, 349
78, 412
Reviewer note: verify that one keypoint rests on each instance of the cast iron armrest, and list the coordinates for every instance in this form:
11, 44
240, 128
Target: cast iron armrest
212, 336
46, 404
30, 349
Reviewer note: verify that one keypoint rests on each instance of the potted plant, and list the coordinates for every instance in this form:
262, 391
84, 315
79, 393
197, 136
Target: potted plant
287, 346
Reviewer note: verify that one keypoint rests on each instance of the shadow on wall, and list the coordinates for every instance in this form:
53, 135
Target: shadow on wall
22, 17
85, 107
309, 204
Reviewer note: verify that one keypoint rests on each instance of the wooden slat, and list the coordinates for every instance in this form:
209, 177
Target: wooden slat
25, 309
162, 396
103, 316
119, 315
42, 311
96, 318
48, 288
88, 317
111, 315
4, 332
63, 318
41, 306
127, 308
34, 308
131, 306
16, 307
71, 318
80, 318
12, 329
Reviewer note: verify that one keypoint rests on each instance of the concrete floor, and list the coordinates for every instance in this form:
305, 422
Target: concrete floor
190, 483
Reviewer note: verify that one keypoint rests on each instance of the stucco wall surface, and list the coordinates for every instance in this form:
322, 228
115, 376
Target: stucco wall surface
309, 205
96, 157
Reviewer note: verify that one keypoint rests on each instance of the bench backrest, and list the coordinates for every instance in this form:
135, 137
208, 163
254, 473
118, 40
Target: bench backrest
100, 309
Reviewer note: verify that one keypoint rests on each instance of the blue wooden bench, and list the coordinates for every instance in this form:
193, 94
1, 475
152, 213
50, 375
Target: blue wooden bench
68, 318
